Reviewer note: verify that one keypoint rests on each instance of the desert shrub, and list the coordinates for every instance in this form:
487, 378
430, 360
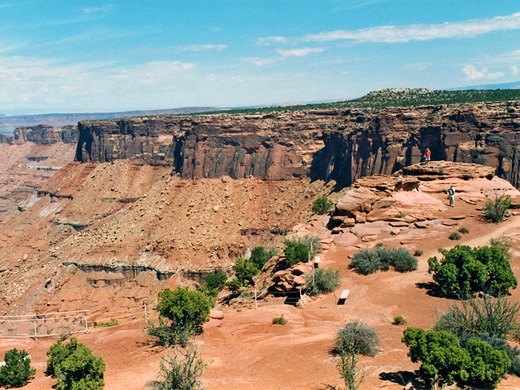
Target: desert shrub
455, 236
260, 255
234, 285
365, 262
245, 271
403, 261
17, 369
463, 230
111, 322
180, 371
513, 353
185, 309
418, 252
296, 253
322, 281
352, 375
75, 367
279, 320
495, 318
321, 205
310, 241
497, 210
464, 270
444, 361
357, 338
399, 320
215, 281
368, 261
504, 244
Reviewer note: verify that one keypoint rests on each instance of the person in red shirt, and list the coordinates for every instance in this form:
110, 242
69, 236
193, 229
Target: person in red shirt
427, 156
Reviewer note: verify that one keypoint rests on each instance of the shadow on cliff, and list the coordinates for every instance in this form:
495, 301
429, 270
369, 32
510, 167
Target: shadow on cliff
328, 165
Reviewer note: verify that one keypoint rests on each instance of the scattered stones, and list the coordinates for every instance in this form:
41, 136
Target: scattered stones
421, 225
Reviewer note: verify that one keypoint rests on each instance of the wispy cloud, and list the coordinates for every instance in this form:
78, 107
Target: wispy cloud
415, 32
261, 61
204, 47
299, 52
267, 41
472, 73
92, 10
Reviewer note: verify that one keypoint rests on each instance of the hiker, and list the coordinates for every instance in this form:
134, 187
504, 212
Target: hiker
451, 196
427, 156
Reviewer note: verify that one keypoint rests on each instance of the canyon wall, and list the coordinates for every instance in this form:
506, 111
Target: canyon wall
42, 135
338, 144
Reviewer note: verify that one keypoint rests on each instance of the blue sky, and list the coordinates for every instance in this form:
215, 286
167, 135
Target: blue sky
85, 56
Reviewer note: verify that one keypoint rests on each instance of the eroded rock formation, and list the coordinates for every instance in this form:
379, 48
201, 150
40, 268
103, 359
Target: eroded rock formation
339, 144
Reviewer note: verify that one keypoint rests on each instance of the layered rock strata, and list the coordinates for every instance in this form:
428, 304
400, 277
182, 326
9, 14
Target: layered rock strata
338, 144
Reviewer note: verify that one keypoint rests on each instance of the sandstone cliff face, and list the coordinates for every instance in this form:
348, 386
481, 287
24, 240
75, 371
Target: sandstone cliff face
42, 135
338, 144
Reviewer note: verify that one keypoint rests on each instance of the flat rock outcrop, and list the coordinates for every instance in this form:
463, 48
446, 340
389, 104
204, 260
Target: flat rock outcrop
42, 135
338, 144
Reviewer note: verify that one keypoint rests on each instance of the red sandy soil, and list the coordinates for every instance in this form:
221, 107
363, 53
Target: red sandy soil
245, 351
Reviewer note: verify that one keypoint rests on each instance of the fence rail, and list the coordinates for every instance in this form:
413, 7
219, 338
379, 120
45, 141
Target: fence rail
44, 324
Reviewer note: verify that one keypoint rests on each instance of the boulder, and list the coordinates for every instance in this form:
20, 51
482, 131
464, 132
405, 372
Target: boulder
356, 199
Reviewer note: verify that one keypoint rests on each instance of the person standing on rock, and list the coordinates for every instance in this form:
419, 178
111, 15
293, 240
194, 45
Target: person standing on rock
451, 196
427, 156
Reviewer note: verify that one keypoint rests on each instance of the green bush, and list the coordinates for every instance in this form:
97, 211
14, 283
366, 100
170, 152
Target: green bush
75, 367
310, 241
245, 271
463, 230
296, 253
322, 281
464, 271
403, 261
365, 262
418, 252
368, 261
357, 338
321, 205
234, 285
444, 361
352, 375
180, 371
455, 236
17, 369
215, 281
279, 320
504, 244
399, 320
497, 210
184, 308
495, 318
260, 255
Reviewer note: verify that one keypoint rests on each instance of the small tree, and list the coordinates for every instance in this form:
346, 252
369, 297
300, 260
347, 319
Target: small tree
296, 253
260, 255
497, 210
184, 308
245, 271
441, 357
321, 205
357, 338
75, 367
322, 281
213, 283
487, 366
181, 371
17, 369
464, 270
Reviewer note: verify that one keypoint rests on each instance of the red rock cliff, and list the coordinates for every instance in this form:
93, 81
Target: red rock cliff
339, 144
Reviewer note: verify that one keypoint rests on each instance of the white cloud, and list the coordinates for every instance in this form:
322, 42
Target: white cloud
203, 47
415, 32
267, 41
261, 61
514, 70
299, 52
92, 10
472, 73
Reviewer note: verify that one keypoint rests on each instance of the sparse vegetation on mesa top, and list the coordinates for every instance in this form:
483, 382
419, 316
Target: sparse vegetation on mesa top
497, 210
391, 98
